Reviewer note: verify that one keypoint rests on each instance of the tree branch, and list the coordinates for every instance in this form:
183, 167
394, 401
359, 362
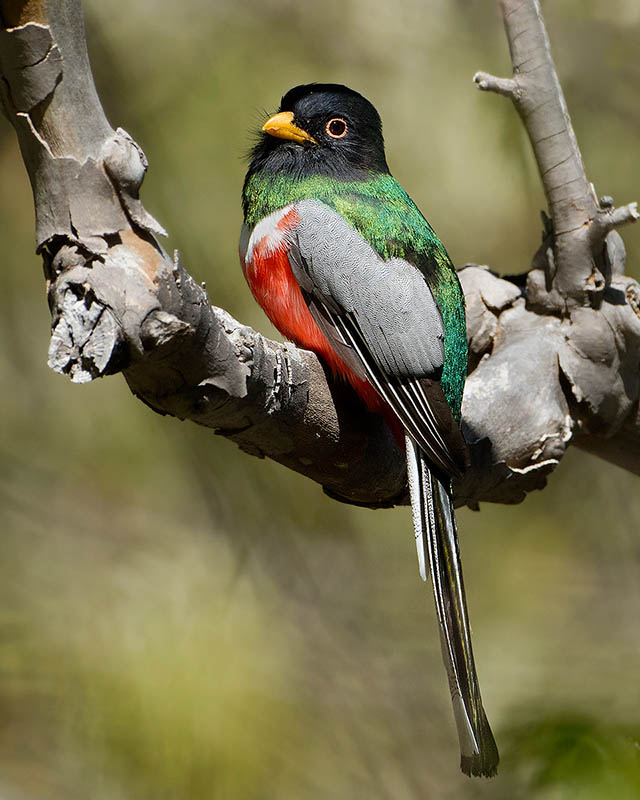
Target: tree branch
118, 303
507, 87
546, 368
576, 271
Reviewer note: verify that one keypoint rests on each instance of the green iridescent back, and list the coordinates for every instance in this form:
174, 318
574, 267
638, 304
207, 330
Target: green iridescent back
384, 214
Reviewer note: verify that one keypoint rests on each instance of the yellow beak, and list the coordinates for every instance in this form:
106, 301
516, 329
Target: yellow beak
281, 125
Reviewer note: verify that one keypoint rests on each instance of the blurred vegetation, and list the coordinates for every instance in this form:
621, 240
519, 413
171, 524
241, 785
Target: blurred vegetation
179, 620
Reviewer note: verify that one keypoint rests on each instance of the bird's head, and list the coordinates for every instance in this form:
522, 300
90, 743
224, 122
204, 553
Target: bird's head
322, 129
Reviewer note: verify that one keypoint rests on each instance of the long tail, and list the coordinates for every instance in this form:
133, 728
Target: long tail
437, 543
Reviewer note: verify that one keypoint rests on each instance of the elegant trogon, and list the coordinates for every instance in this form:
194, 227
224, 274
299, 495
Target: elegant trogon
344, 264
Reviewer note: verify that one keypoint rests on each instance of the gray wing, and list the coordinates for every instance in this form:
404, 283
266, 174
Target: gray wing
381, 318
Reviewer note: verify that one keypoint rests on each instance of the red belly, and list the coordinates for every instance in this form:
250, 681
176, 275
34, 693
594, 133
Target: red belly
274, 286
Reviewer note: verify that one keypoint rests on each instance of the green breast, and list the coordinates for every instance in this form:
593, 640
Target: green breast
390, 221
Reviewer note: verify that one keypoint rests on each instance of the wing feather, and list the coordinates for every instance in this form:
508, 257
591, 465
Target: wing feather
382, 319
405, 397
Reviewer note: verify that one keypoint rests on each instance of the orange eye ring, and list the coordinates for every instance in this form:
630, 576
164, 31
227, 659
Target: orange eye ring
336, 128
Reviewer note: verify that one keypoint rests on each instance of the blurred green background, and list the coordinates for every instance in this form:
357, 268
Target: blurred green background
180, 620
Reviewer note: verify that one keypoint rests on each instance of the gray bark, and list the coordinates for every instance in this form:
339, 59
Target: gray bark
554, 359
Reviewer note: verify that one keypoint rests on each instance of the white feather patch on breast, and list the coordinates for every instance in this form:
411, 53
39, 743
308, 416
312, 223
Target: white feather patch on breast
269, 235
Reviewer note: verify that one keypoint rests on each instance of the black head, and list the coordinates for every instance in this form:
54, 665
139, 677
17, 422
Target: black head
322, 128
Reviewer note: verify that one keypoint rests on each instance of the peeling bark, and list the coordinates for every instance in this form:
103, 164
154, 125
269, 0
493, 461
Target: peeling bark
553, 358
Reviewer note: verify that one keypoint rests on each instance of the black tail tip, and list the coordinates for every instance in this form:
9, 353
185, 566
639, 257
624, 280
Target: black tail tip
480, 766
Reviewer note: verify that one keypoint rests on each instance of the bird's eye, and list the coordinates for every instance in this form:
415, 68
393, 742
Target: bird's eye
336, 128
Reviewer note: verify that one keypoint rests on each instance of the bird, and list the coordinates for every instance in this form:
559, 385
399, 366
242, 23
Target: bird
344, 264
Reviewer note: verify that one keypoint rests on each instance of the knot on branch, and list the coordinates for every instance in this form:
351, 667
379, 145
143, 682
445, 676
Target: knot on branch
126, 165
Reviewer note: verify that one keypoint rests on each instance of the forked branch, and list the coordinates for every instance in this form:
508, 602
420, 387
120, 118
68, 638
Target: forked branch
576, 267
555, 363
